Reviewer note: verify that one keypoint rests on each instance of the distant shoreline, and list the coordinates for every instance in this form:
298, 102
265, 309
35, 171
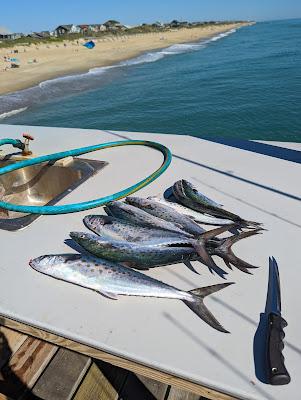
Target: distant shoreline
73, 58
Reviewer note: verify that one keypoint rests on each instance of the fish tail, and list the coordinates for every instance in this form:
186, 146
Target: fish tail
224, 250
252, 224
200, 247
216, 231
205, 257
248, 224
198, 307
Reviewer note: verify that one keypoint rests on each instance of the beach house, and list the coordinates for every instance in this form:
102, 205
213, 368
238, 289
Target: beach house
67, 29
84, 28
5, 34
158, 24
112, 25
97, 27
39, 35
92, 28
177, 24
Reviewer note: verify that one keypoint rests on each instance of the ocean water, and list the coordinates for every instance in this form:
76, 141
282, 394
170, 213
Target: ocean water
242, 84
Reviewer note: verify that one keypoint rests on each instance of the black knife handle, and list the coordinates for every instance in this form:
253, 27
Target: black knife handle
278, 374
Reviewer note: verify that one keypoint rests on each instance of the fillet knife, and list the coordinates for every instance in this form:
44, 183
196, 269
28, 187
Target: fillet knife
277, 373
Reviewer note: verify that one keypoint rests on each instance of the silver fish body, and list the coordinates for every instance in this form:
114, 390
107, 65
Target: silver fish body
196, 216
110, 228
183, 192
111, 280
121, 230
137, 216
183, 198
104, 276
191, 191
167, 213
141, 254
178, 248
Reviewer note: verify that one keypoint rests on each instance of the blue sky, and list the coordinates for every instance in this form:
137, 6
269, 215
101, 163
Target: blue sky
35, 15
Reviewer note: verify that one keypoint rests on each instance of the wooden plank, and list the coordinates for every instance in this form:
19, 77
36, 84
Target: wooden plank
14, 339
118, 361
135, 389
157, 389
115, 375
96, 386
25, 366
179, 394
10, 341
3, 397
62, 376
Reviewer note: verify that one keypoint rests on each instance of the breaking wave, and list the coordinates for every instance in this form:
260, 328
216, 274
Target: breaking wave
12, 112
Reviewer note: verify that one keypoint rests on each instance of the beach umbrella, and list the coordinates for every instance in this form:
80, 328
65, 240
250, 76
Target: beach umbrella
90, 45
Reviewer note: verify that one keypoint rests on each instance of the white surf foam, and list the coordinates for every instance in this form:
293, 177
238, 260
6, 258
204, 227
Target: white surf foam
222, 35
144, 58
44, 84
13, 112
100, 70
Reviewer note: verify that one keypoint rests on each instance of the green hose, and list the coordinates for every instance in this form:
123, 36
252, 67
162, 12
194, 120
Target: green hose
71, 208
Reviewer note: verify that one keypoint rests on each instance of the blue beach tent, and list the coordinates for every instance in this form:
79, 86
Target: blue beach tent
90, 45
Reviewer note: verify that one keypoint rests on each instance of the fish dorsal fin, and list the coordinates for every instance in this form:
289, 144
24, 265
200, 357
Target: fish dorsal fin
109, 295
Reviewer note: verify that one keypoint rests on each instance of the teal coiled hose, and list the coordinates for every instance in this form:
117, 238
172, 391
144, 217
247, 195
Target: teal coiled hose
71, 208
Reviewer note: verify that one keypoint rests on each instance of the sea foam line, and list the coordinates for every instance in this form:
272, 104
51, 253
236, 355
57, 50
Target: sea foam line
12, 112
142, 59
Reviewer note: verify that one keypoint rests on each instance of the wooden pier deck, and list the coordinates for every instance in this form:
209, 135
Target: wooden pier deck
33, 369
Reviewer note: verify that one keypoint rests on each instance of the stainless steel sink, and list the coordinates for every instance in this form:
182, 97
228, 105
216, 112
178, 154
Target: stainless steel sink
39, 185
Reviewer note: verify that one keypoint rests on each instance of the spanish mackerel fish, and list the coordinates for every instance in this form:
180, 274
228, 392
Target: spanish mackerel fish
118, 230
197, 196
196, 216
167, 213
136, 216
188, 195
159, 251
111, 279
140, 255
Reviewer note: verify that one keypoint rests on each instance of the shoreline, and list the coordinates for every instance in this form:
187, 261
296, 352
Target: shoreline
72, 58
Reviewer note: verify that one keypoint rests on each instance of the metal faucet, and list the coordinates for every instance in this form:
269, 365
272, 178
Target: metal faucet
25, 149
17, 143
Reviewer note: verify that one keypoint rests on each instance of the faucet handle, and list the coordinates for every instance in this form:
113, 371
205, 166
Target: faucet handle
28, 136
26, 151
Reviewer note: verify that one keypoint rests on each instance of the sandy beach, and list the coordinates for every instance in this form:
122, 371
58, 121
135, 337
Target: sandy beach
46, 61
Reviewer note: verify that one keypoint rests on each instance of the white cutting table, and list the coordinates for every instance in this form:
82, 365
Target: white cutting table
162, 338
